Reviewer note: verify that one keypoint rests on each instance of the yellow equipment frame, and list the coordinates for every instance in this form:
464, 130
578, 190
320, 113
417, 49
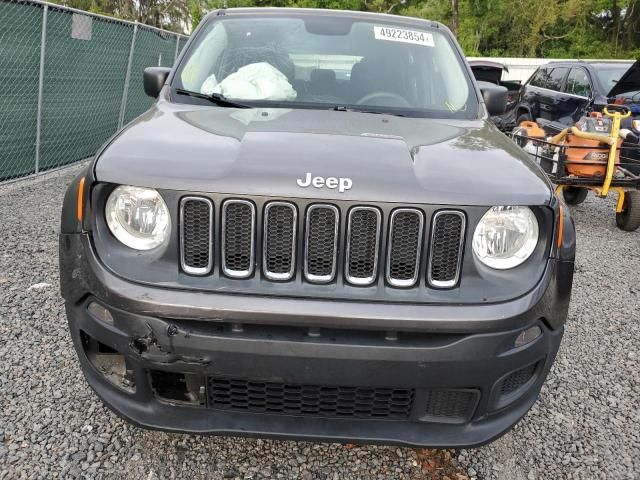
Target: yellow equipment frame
612, 141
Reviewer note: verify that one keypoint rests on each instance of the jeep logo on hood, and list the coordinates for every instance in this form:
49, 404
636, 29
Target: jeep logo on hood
341, 183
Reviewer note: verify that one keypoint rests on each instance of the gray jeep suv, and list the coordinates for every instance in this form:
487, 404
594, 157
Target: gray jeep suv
315, 233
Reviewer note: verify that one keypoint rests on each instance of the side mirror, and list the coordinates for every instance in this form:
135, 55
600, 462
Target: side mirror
154, 78
494, 96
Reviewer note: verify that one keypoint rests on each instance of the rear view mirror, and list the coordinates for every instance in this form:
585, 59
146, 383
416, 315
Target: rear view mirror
494, 96
154, 78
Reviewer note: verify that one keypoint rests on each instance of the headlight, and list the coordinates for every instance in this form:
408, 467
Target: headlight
505, 237
138, 217
635, 124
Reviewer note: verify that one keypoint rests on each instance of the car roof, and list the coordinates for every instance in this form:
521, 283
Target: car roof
593, 63
325, 12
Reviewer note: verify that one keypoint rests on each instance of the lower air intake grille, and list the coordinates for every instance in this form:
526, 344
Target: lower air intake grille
279, 240
321, 243
451, 405
447, 236
405, 238
517, 379
238, 224
362, 245
311, 400
196, 243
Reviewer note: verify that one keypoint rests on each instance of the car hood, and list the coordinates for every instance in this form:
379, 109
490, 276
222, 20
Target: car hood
629, 82
264, 152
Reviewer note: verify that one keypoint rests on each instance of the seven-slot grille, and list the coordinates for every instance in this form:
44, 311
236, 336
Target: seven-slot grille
406, 234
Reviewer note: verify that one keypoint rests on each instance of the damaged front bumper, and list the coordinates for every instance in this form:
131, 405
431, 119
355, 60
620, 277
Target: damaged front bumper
440, 376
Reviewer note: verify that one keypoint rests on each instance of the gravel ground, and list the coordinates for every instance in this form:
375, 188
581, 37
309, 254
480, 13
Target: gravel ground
585, 425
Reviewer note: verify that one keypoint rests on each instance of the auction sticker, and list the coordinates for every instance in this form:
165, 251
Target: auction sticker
394, 34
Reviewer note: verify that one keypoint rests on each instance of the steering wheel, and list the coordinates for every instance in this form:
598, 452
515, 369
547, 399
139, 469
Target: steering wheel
395, 99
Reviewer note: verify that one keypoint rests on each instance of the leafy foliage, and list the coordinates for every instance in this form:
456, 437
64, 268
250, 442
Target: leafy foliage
168, 14
519, 28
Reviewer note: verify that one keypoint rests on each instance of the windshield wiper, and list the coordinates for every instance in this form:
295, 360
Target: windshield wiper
216, 98
344, 108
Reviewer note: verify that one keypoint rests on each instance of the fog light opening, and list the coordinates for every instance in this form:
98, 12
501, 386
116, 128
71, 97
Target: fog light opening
109, 363
101, 313
516, 380
178, 387
527, 336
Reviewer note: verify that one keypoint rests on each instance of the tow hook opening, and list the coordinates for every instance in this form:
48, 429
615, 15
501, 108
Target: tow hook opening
108, 362
178, 387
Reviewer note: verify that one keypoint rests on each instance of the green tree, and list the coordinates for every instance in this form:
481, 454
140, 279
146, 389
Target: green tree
168, 14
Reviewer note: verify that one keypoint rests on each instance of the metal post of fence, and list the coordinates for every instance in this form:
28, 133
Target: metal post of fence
175, 57
43, 43
125, 92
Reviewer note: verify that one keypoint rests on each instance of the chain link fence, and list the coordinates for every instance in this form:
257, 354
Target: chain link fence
70, 80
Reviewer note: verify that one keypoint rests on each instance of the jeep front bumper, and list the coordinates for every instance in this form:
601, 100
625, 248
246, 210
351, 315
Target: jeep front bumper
423, 375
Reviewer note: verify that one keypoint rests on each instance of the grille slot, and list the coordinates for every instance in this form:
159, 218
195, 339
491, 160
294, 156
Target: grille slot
451, 406
196, 242
447, 240
517, 379
311, 400
238, 238
321, 243
405, 240
279, 240
363, 244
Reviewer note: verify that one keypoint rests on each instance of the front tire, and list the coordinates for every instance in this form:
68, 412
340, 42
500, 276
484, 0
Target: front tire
629, 218
574, 195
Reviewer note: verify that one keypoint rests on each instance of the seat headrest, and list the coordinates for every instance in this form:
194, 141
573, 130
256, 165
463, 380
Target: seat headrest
319, 75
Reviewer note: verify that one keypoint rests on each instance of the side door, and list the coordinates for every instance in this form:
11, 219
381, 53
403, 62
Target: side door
530, 92
551, 98
579, 91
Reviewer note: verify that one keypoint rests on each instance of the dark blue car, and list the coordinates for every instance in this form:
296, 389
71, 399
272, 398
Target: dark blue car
559, 93
564, 91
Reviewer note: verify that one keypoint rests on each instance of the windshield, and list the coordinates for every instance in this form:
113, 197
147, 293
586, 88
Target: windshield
608, 76
315, 61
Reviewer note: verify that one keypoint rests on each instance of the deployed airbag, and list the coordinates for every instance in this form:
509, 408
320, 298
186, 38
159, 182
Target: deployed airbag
256, 81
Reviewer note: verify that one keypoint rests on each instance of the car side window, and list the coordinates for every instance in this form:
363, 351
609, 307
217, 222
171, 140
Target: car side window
556, 78
578, 83
539, 78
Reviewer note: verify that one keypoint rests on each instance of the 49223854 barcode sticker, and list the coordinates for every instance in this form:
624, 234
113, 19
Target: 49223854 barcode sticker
393, 34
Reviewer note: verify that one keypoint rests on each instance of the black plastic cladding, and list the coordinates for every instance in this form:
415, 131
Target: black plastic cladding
517, 379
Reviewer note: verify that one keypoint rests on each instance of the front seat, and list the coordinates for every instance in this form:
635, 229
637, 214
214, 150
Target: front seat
323, 82
374, 74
